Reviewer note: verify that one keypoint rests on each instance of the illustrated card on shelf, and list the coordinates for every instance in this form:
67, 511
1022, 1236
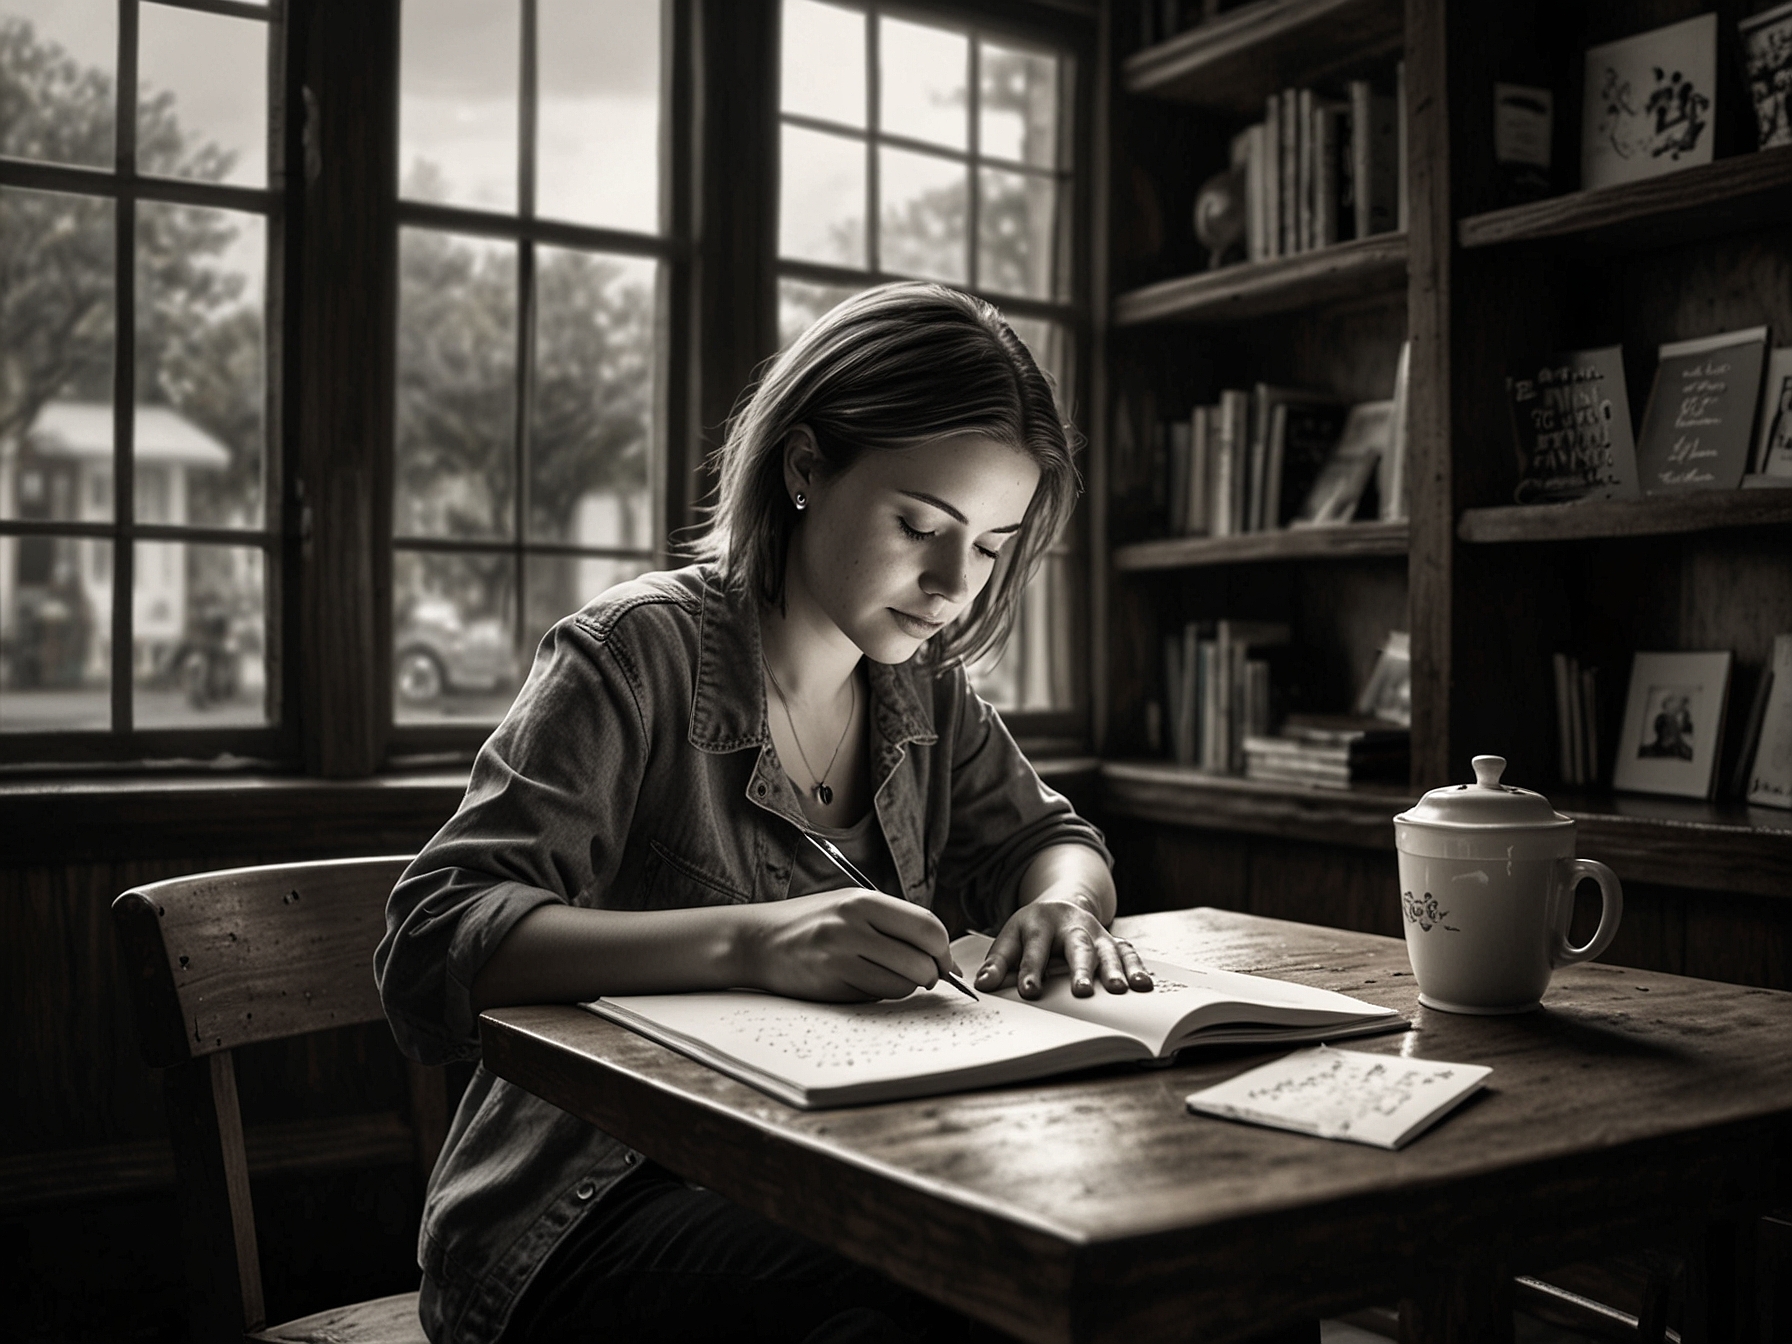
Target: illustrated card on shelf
1382, 1100
1649, 103
1770, 778
1338, 490
1773, 440
1767, 58
1571, 421
1673, 724
1700, 421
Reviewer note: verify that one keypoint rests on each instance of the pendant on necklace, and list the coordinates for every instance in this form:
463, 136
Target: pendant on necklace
824, 794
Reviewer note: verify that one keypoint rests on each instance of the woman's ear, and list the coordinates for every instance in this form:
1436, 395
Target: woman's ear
802, 464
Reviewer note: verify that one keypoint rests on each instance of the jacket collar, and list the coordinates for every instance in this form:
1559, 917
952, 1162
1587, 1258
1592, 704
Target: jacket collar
728, 704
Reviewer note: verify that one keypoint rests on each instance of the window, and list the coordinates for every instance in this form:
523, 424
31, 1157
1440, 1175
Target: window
529, 403
921, 147
139, 539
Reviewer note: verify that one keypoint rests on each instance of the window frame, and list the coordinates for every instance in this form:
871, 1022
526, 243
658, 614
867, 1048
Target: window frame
1069, 30
123, 741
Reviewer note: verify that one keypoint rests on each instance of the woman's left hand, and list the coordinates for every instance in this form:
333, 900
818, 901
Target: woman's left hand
1064, 924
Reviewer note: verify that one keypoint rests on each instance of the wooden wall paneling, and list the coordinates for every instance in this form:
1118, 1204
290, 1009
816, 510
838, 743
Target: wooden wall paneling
1343, 614
1314, 884
1746, 940
1172, 868
1652, 933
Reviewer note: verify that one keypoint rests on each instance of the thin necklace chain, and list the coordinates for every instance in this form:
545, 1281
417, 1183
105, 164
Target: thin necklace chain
821, 791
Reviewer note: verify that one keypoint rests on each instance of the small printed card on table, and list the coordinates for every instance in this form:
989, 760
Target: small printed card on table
1381, 1100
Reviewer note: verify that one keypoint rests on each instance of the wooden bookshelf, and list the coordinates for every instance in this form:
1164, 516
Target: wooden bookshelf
1300, 543
1731, 195
1705, 511
1232, 63
1362, 268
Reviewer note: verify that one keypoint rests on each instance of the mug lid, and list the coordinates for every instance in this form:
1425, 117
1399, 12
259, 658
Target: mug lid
1485, 804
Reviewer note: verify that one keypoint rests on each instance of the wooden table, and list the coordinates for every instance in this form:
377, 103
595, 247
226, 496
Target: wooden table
1633, 1107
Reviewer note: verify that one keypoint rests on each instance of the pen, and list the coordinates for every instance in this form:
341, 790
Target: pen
836, 857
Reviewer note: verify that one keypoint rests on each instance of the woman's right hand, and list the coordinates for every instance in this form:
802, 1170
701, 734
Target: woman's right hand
843, 946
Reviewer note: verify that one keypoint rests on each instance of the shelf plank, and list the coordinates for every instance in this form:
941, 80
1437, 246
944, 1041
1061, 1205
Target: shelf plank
1665, 515
1683, 842
1363, 267
1301, 543
1232, 63
1728, 196
1674, 842
1362, 816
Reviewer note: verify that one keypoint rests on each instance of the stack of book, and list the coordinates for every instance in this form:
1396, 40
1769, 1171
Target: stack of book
1320, 170
1577, 720
1333, 750
1217, 686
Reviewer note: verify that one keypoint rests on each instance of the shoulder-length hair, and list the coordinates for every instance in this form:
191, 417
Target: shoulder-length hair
889, 368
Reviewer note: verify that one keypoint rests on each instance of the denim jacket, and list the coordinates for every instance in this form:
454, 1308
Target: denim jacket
635, 772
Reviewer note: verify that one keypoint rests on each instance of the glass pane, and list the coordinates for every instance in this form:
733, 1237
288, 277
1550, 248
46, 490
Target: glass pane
456, 429
202, 96
922, 223
457, 102
56, 317
198, 636
823, 62
821, 206
1049, 344
453, 638
598, 122
591, 425
1034, 670
1015, 233
1018, 106
55, 634
921, 79
559, 585
800, 303
199, 437
58, 59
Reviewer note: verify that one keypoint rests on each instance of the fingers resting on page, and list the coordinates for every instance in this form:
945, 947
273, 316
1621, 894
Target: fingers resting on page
1024, 951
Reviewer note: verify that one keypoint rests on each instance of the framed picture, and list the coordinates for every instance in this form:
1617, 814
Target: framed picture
1649, 103
1773, 436
1673, 724
1767, 57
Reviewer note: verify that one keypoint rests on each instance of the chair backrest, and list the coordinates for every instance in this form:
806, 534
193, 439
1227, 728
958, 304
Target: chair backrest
231, 958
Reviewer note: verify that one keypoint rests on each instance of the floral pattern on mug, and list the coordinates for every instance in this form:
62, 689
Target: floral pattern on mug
1424, 912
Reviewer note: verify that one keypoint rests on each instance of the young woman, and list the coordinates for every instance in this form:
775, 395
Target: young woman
635, 823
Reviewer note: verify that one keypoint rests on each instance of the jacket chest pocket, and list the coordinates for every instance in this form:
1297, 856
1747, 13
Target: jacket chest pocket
673, 882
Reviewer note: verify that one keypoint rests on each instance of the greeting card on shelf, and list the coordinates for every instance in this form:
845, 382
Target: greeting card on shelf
1770, 776
1773, 439
1700, 420
1649, 102
1571, 421
1338, 490
1767, 59
1673, 724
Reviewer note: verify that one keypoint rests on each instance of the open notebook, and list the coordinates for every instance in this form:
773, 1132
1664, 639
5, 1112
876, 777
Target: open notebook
826, 1054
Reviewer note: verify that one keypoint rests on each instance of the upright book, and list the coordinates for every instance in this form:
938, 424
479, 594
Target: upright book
1700, 422
842, 1054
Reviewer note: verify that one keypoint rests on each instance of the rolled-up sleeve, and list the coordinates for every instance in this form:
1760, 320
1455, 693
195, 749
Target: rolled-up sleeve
545, 818
1003, 814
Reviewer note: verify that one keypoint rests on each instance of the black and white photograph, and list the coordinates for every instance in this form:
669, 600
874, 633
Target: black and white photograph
896, 671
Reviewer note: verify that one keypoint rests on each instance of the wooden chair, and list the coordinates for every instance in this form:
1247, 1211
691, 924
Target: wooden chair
231, 958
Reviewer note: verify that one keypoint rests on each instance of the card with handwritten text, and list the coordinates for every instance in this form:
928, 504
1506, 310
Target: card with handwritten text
1383, 1100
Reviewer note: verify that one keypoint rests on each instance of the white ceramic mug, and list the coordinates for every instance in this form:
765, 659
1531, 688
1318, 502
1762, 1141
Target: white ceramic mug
1487, 879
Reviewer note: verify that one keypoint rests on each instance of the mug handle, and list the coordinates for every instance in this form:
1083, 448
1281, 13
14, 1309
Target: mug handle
1610, 912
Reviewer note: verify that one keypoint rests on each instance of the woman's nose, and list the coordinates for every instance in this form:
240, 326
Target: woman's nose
947, 578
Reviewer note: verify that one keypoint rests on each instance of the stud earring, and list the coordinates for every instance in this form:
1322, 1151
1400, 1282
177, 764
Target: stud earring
802, 501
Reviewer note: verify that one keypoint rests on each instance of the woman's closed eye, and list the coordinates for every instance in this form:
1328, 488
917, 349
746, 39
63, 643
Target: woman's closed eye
914, 533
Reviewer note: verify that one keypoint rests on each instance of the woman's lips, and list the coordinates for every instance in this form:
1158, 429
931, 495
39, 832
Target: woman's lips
915, 626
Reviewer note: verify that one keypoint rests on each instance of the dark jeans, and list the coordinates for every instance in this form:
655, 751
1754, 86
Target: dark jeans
657, 1260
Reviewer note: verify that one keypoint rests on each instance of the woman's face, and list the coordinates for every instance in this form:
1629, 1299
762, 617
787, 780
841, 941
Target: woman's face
897, 545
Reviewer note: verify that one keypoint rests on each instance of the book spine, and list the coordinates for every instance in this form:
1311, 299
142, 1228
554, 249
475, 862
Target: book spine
1254, 195
1290, 171
1401, 207
1304, 173
1258, 440
1200, 470
1325, 187
1176, 493
1276, 456
1360, 98
1272, 175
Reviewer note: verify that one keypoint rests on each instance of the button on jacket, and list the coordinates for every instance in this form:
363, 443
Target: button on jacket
635, 772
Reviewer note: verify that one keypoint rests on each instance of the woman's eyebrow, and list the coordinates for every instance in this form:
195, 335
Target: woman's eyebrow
946, 508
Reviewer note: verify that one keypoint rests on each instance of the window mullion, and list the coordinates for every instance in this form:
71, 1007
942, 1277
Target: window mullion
973, 139
873, 126
124, 371
527, 120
